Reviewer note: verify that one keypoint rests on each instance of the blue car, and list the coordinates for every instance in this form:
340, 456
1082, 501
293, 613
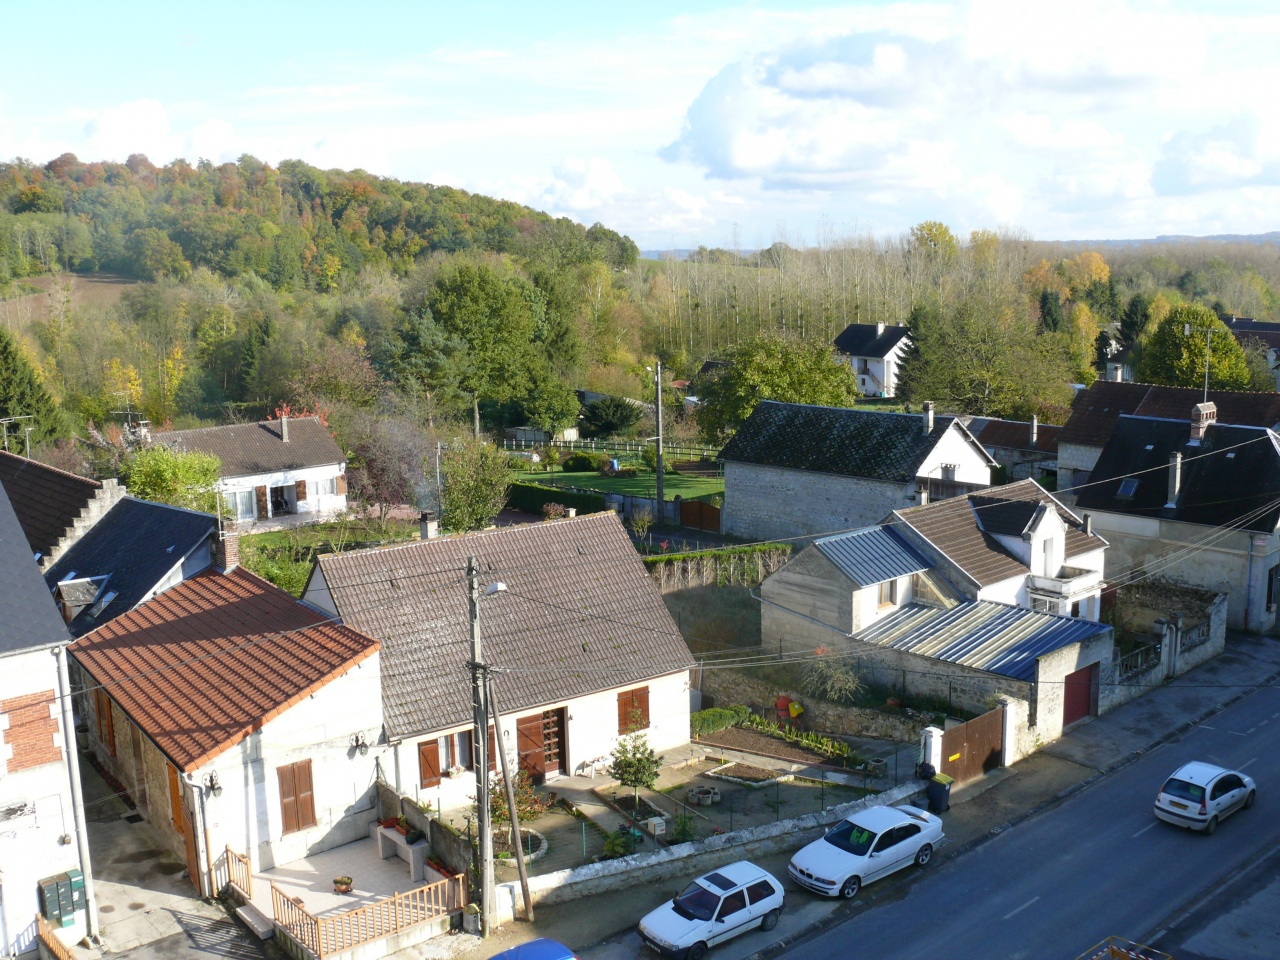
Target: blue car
540, 949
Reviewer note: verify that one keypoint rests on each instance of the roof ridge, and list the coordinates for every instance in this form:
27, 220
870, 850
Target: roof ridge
44, 466
226, 426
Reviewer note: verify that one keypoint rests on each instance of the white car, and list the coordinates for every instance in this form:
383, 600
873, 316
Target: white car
866, 846
1198, 795
712, 909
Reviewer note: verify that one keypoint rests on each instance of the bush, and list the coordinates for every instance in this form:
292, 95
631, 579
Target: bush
553, 511
581, 462
717, 718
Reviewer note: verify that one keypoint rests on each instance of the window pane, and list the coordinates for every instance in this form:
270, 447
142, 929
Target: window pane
733, 903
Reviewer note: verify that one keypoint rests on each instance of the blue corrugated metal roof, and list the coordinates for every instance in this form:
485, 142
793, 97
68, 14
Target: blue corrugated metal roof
981, 634
873, 555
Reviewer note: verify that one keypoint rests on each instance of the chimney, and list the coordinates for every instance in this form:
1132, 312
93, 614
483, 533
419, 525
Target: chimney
284, 428
1203, 416
879, 327
428, 526
1117, 371
1175, 479
928, 417
1035, 429
226, 549
1088, 525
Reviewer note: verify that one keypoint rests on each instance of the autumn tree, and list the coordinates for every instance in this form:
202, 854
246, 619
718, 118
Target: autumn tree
1175, 353
477, 476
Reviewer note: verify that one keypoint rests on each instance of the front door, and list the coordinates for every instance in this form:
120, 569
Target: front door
554, 752
529, 744
189, 834
1078, 695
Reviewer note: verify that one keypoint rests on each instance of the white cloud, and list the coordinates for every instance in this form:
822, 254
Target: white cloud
139, 126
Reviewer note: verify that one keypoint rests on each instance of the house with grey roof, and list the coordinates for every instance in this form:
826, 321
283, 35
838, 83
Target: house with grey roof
795, 470
54, 508
875, 353
290, 467
581, 648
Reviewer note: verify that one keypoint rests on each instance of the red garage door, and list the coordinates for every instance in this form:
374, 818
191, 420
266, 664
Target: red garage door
1080, 695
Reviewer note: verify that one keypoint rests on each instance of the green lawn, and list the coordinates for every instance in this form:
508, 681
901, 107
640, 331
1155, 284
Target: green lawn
689, 488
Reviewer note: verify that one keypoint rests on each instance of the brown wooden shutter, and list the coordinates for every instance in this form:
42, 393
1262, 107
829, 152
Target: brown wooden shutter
261, 493
175, 800
493, 750
106, 722
301, 488
624, 710
631, 702
429, 763
306, 795
642, 704
340, 484
288, 798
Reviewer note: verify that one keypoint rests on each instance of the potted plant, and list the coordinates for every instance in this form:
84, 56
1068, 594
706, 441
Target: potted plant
402, 826
341, 884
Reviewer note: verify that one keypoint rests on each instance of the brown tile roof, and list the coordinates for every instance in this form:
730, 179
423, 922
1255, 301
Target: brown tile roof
46, 500
580, 615
1016, 435
249, 448
1094, 412
961, 529
204, 664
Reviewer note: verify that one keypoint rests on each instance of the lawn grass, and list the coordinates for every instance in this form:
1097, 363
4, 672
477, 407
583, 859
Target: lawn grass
642, 485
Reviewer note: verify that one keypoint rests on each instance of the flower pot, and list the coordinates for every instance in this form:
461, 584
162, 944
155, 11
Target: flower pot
342, 888
402, 829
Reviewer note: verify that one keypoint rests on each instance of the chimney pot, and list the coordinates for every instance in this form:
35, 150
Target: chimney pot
428, 526
1088, 525
928, 416
1203, 416
1035, 429
284, 429
226, 548
1175, 479
879, 327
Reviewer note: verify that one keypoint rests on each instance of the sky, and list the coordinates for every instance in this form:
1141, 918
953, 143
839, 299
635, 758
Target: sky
680, 124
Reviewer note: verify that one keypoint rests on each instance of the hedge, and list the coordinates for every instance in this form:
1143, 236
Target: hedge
717, 718
531, 496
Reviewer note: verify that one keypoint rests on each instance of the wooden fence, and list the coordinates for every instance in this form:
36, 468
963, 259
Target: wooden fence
49, 941
240, 873
672, 451
326, 936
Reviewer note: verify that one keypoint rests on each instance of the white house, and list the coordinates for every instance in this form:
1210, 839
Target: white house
43, 844
290, 466
794, 470
581, 647
875, 354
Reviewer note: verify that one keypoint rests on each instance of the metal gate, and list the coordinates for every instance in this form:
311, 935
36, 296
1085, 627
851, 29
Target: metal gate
974, 748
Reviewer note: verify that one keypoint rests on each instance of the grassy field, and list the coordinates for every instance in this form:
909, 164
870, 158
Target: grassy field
689, 488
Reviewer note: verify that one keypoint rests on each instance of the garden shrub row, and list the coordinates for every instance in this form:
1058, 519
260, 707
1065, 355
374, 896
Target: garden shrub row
717, 718
531, 497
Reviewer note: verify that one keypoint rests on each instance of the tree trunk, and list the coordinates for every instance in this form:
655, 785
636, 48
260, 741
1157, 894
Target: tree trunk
475, 413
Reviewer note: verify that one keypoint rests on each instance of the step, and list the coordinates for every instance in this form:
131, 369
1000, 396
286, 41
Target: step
257, 921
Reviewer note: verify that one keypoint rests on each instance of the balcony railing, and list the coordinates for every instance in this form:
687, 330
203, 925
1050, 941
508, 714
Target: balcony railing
1070, 582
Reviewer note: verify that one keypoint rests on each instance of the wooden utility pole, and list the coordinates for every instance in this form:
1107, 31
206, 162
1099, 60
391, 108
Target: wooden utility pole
481, 735
511, 802
657, 379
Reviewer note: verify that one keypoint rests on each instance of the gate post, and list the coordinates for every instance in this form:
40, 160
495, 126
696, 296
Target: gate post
931, 747
1008, 733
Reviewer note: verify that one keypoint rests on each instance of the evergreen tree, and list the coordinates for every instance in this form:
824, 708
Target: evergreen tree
23, 395
1135, 318
1051, 310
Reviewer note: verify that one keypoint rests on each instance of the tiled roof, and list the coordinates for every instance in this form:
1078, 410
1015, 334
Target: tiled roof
1220, 486
1094, 412
28, 616
249, 448
873, 555
1016, 435
580, 615
46, 500
133, 546
844, 441
958, 528
1245, 330
205, 664
986, 636
869, 340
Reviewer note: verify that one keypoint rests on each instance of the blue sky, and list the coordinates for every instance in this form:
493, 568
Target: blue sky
715, 123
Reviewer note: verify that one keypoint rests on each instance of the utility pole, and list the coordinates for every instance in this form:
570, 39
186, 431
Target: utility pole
1207, 334
4, 425
481, 735
657, 379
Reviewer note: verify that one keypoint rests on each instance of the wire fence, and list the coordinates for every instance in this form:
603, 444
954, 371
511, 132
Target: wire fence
669, 450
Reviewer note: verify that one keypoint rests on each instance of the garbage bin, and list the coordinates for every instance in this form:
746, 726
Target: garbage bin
925, 770
938, 792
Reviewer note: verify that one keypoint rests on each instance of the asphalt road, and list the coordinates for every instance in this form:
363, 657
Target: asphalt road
1098, 865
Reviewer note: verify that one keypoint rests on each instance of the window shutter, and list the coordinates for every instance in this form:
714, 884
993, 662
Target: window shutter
301, 488
306, 796
261, 493
493, 751
175, 799
429, 763
288, 798
632, 702
624, 710
341, 484
642, 704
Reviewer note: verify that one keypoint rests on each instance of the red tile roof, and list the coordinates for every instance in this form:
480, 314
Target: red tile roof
208, 662
1094, 412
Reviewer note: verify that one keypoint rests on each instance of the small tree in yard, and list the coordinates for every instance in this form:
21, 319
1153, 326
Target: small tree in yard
530, 804
641, 521
635, 765
476, 480
831, 678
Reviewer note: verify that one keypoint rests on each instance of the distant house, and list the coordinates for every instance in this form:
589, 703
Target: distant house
139, 549
581, 645
875, 353
41, 808
285, 467
1193, 500
1245, 330
54, 508
794, 470
1026, 450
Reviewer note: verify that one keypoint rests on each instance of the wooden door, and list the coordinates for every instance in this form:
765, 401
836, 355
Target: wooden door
974, 748
189, 835
530, 747
1079, 694
555, 751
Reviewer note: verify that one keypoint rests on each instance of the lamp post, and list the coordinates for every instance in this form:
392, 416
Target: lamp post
480, 734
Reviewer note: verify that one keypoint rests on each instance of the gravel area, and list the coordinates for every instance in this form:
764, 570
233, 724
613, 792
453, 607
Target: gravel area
753, 741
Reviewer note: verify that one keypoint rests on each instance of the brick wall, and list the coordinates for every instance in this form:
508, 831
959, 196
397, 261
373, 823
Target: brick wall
29, 730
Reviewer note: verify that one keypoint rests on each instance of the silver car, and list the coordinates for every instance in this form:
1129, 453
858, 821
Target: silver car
1198, 795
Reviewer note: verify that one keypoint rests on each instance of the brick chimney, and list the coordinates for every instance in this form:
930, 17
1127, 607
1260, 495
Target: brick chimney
1203, 416
284, 428
428, 526
928, 417
226, 550
1175, 479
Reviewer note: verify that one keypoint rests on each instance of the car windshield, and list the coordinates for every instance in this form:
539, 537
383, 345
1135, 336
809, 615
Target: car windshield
696, 902
1183, 790
851, 838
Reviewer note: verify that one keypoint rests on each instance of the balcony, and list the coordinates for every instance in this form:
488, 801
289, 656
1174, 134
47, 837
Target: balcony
1070, 582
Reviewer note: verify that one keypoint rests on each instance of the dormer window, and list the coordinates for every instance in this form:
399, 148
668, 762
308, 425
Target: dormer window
1128, 487
888, 593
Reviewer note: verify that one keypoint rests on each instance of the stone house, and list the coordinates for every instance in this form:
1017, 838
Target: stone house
54, 508
1026, 450
794, 470
875, 354
581, 647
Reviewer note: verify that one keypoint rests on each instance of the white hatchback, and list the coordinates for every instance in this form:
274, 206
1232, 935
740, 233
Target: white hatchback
866, 846
1198, 795
712, 909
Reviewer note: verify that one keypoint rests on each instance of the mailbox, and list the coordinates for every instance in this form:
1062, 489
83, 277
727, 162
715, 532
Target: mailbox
61, 896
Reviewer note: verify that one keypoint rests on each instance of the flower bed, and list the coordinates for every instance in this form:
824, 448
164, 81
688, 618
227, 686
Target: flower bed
749, 776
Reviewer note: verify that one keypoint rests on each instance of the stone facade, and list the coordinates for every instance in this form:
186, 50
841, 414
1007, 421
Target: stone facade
1075, 463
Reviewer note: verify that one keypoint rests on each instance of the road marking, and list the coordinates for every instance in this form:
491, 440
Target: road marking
1243, 765
1205, 726
1237, 733
1251, 729
1149, 826
1021, 908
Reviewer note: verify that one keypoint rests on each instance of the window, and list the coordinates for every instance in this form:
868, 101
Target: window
888, 593
106, 723
731, 904
327, 487
1128, 487
241, 503
297, 803
633, 710
175, 800
760, 890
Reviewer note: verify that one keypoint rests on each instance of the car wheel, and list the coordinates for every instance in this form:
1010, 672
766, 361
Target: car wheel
924, 854
851, 888
1248, 801
1211, 826
770, 920
696, 952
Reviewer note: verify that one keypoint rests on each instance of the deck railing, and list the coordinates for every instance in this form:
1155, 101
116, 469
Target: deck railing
49, 940
295, 921
240, 873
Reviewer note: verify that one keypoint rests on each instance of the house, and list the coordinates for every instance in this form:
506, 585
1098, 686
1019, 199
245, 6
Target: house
53, 507
794, 470
581, 648
1014, 544
1194, 500
43, 843
875, 354
290, 466
1026, 450
1095, 411
137, 550
1246, 330
233, 715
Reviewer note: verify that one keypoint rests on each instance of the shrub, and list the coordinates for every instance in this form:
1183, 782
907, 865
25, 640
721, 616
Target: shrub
581, 462
831, 678
717, 718
529, 803
620, 843
554, 511
531, 496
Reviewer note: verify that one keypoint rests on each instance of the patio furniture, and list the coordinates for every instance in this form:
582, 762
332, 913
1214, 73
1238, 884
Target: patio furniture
393, 844
599, 763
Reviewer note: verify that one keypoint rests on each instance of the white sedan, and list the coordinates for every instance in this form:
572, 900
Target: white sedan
716, 907
866, 846
1198, 795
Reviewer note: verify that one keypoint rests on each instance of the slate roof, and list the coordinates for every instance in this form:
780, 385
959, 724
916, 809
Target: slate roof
1220, 486
45, 499
964, 529
1245, 330
28, 616
205, 664
844, 441
250, 448
867, 340
134, 545
580, 615
987, 636
873, 555
1094, 412
1016, 435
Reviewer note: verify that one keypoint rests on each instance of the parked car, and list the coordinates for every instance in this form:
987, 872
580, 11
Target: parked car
866, 846
540, 949
1198, 795
712, 909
